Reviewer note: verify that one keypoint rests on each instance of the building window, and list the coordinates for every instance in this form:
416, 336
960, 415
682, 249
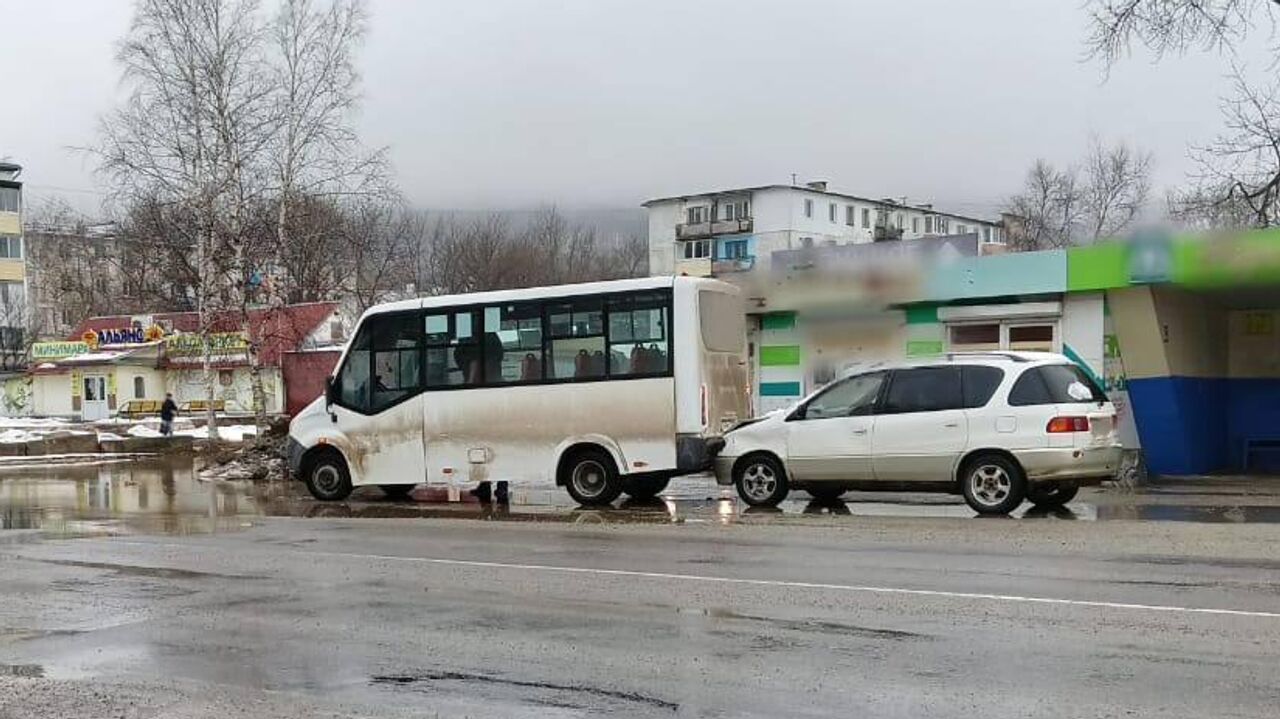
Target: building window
12, 294
943, 223
898, 223
975, 337
696, 249
915, 225
928, 225
697, 215
10, 199
735, 249
986, 234
1031, 338
849, 214
961, 229
139, 388
10, 247
808, 207
831, 212
866, 218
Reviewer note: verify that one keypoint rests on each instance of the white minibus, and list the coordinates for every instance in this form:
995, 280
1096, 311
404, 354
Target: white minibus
602, 387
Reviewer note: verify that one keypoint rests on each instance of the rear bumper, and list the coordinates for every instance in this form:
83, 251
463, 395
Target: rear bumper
695, 453
1084, 465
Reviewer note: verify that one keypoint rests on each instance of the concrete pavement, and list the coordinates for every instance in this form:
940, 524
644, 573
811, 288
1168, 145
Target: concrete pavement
829, 616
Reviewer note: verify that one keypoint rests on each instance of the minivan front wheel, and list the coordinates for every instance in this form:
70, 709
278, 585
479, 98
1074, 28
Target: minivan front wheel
761, 481
993, 484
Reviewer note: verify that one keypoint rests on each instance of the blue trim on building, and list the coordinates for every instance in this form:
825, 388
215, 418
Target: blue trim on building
779, 389
1195, 425
1181, 423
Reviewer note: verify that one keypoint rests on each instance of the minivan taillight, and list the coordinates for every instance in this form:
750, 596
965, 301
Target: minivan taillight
1059, 425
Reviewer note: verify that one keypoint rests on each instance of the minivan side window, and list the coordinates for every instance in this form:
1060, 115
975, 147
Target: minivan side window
978, 383
923, 389
850, 397
1054, 384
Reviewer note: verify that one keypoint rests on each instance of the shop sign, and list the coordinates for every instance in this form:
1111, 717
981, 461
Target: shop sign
49, 351
135, 335
190, 348
1150, 258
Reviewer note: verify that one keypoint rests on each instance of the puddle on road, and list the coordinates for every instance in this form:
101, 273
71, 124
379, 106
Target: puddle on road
163, 496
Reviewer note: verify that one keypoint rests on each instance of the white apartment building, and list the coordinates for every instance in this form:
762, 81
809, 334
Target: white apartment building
728, 231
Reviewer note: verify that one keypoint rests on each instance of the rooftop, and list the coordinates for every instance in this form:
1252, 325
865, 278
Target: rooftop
817, 191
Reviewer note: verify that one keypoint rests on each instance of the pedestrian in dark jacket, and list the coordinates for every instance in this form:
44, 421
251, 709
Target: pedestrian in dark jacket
168, 411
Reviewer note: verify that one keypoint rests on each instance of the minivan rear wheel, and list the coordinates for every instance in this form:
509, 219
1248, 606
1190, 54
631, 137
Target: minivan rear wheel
825, 491
761, 481
1052, 494
993, 484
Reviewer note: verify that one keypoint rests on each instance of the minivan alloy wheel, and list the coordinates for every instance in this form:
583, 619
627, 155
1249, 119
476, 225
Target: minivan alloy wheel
759, 481
990, 484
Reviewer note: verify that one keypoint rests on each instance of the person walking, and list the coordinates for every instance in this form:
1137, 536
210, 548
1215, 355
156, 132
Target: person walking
167, 412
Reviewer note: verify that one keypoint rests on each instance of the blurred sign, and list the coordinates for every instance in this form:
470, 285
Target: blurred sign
49, 351
221, 346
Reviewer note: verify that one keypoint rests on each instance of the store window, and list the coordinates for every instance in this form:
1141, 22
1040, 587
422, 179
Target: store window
973, 337
1031, 338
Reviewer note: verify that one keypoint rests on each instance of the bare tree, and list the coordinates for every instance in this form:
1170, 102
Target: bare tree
1171, 26
189, 139
1060, 207
1238, 179
1117, 186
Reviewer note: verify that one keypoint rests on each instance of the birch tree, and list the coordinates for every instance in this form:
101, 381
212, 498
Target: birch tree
188, 139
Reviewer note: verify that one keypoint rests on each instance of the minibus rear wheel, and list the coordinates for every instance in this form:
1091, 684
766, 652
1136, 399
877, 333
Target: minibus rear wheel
591, 477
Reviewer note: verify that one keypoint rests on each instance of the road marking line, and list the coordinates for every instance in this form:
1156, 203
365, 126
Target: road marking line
865, 589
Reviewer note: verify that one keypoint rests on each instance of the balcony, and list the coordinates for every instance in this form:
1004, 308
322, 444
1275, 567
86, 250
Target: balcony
736, 264
698, 267
693, 231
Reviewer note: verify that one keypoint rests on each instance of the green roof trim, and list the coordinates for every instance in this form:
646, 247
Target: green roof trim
1098, 267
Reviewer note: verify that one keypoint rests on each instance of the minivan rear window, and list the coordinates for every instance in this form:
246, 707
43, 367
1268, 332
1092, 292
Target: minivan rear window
1055, 384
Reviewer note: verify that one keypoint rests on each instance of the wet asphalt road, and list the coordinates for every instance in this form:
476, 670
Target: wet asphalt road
213, 610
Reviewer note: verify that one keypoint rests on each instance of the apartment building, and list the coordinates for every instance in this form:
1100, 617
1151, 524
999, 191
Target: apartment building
729, 231
13, 274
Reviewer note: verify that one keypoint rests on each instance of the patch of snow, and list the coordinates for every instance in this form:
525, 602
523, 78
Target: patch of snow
33, 422
229, 433
142, 430
17, 435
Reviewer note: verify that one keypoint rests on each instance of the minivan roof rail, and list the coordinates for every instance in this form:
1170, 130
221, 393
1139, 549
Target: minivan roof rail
1007, 355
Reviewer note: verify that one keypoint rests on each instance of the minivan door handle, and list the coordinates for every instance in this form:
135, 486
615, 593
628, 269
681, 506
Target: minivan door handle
859, 431
951, 424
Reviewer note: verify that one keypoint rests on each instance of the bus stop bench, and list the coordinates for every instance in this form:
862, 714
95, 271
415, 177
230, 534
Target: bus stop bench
202, 405
140, 408
1262, 454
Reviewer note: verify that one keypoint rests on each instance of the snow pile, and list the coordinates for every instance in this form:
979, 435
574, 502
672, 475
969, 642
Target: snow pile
17, 435
33, 422
229, 433
142, 430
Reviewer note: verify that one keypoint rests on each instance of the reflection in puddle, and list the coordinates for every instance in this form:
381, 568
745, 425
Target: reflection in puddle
21, 670
163, 496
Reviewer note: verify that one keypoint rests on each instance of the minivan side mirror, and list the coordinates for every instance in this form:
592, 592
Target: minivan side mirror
330, 391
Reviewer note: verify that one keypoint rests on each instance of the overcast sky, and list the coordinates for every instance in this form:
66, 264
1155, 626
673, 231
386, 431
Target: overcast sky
498, 103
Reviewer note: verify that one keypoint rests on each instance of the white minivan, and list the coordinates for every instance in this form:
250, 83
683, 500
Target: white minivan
996, 427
